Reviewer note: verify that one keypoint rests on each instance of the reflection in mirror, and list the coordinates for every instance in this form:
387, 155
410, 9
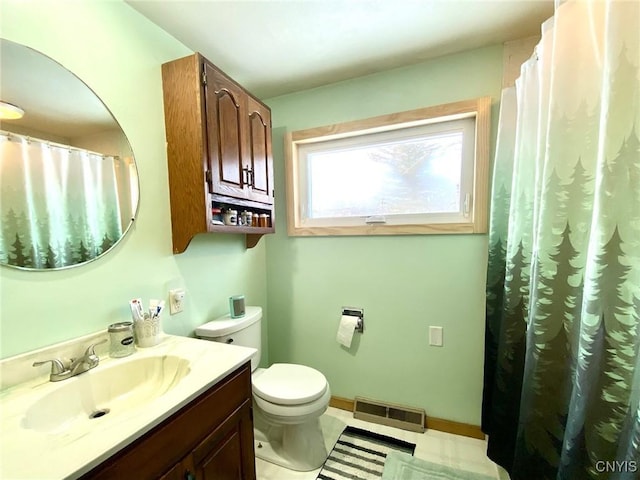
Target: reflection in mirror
69, 183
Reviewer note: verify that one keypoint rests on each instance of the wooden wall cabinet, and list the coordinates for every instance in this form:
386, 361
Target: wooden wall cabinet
212, 437
218, 150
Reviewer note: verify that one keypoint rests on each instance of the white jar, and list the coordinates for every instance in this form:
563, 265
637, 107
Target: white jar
231, 217
247, 218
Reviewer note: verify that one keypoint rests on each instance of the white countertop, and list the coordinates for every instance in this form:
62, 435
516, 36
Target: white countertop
26, 453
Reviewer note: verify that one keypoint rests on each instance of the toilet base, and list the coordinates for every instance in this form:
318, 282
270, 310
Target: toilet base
303, 447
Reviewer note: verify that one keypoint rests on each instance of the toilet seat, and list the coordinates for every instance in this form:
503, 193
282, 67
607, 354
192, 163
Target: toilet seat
289, 384
293, 414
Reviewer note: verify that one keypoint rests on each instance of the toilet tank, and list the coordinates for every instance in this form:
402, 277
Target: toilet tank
244, 331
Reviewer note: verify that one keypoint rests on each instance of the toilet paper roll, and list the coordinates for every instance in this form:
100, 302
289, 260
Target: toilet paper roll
346, 329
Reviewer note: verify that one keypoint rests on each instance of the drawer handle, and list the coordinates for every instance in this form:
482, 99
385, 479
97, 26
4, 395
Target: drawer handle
189, 476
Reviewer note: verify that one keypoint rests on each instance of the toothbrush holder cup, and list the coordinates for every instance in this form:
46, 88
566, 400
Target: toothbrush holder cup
148, 331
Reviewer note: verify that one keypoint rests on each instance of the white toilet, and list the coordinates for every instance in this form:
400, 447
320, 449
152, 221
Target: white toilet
288, 399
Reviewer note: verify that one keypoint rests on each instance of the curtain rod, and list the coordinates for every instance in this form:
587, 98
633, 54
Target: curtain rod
12, 136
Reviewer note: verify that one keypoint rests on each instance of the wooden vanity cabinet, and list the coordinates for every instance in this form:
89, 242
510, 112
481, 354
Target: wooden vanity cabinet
211, 438
218, 150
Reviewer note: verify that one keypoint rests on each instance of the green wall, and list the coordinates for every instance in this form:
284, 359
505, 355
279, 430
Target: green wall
118, 53
404, 283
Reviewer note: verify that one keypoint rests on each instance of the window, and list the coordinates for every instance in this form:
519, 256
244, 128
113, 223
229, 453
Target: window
422, 171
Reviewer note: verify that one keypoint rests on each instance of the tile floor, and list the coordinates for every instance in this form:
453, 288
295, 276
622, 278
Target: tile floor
432, 445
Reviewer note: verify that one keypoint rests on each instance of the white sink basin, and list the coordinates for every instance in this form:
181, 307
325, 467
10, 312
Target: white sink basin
46, 427
105, 391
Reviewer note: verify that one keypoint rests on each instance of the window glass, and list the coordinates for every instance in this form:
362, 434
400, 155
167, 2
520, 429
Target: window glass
408, 171
405, 173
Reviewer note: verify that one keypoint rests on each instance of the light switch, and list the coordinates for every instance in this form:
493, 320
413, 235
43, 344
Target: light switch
435, 336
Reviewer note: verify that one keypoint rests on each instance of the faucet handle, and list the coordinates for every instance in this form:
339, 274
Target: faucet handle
57, 367
91, 352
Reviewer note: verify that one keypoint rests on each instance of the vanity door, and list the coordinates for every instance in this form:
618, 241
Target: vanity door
228, 454
181, 471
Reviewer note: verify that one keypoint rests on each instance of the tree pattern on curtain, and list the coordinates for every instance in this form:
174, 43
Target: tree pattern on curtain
562, 363
60, 206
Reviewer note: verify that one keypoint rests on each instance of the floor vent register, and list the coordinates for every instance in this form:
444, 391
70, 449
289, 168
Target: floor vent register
392, 415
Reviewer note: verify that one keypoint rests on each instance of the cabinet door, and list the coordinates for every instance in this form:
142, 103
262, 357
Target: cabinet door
228, 454
260, 156
225, 103
181, 471
178, 472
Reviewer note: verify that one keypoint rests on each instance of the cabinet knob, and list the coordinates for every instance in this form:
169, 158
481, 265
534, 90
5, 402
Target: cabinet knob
229, 340
189, 476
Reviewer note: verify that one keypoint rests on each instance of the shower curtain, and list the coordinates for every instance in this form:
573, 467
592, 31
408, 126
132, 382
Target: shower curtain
59, 205
562, 368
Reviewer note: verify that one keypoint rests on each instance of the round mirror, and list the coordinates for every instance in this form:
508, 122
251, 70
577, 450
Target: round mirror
69, 183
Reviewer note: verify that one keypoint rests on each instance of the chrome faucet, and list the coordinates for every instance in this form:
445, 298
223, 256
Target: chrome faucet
59, 371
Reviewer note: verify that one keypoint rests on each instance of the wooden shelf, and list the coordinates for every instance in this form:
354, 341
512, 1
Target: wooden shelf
240, 229
253, 234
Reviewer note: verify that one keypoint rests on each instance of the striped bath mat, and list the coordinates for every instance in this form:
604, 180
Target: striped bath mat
360, 455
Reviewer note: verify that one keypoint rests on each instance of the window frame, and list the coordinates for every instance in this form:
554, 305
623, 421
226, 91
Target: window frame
479, 108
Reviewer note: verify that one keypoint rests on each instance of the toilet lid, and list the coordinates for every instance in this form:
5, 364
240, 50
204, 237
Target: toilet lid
289, 384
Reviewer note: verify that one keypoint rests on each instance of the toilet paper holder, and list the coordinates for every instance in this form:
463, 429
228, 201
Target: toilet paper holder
355, 312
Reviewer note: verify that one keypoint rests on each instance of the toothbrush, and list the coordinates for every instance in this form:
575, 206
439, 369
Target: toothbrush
153, 307
159, 309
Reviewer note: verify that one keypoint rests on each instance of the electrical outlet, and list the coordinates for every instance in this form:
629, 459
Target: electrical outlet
435, 336
176, 300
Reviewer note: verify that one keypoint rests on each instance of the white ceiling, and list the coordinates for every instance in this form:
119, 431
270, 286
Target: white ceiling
274, 47
42, 88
